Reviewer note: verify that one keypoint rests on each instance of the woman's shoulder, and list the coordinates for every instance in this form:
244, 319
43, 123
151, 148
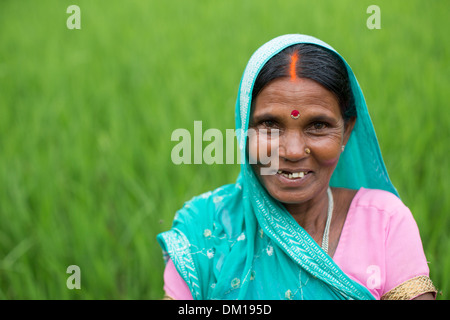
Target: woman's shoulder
378, 199
379, 207
380, 243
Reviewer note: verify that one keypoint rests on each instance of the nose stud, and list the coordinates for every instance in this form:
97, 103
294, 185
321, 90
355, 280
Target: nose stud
307, 150
295, 114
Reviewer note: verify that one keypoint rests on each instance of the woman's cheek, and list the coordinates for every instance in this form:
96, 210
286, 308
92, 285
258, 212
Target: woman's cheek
326, 154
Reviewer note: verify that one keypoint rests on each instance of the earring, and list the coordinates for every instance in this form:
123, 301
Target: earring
307, 150
342, 148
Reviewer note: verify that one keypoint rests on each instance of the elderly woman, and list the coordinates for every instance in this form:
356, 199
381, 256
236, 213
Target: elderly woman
325, 224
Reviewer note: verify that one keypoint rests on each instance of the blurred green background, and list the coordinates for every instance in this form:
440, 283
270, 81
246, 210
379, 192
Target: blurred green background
86, 118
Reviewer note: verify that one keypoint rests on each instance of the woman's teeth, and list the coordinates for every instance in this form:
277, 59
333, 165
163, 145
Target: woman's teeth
293, 175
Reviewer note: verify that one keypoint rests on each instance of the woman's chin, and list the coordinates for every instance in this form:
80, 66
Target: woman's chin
289, 200
288, 191
288, 197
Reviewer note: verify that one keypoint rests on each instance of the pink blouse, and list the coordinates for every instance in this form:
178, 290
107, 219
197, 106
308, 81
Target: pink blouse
379, 246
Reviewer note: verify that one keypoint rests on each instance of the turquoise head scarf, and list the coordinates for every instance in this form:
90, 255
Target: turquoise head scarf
237, 242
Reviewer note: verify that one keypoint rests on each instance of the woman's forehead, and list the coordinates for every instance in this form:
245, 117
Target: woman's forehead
297, 93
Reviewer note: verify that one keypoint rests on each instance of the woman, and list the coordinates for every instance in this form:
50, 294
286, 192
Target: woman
327, 223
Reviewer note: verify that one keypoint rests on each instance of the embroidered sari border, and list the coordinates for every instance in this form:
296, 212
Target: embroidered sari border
176, 245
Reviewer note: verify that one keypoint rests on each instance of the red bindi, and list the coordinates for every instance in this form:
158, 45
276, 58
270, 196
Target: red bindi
295, 114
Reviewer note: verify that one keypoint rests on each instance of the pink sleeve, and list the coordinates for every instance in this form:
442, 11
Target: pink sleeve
380, 245
405, 258
174, 285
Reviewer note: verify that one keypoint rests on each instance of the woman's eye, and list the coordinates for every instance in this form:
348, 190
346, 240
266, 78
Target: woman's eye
268, 123
319, 125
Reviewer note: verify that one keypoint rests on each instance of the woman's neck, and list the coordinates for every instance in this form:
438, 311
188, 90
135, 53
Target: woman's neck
311, 215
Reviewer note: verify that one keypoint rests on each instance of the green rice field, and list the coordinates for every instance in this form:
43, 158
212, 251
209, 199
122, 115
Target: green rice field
86, 117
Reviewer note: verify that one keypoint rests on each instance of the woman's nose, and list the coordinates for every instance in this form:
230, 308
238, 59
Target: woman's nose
292, 146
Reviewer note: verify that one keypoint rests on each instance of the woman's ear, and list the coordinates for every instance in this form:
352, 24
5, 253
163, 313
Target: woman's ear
348, 128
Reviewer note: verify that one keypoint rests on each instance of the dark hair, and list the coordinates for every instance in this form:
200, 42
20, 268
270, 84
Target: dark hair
315, 63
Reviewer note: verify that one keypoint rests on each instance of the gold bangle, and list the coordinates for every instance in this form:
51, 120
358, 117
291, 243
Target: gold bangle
410, 289
167, 297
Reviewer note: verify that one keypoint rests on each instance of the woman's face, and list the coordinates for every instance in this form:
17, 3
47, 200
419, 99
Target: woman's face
320, 128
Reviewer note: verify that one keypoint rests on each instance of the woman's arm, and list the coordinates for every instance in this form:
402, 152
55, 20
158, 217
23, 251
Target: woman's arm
175, 287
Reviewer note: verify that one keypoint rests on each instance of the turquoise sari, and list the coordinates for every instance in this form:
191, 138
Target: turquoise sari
237, 242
